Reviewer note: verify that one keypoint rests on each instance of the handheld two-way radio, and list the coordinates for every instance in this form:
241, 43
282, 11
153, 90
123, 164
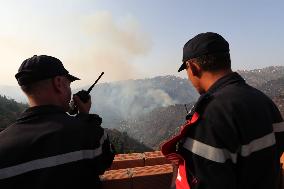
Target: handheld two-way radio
84, 97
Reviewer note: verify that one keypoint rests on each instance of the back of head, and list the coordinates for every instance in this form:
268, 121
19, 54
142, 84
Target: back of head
37, 87
210, 50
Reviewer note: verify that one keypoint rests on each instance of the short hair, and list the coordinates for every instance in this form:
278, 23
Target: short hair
31, 88
214, 62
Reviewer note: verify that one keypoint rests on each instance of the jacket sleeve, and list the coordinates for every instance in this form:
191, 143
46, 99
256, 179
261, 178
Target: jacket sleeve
99, 139
105, 159
278, 127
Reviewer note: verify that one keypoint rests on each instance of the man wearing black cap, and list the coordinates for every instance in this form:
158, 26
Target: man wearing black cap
233, 137
47, 148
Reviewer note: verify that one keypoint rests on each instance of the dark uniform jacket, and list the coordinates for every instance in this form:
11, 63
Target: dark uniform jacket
237, 141
47, 148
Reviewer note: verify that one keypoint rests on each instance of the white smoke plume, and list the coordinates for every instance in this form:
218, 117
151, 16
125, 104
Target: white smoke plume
129, 99
86, 44
112, 47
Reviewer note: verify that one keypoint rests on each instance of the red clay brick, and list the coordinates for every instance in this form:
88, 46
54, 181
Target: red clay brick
155, 153
158, 176
118, 179
122, 161
155, 158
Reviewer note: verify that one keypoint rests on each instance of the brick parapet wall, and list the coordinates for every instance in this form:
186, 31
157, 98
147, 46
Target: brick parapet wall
138, 171
144, 171
147, 177
123, 161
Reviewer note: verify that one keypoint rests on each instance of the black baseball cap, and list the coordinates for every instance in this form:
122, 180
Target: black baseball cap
41, 67
202, 44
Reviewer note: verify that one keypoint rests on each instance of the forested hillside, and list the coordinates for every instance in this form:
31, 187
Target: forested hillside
125, 144
259, 77
161, 123
157, 125
9, 110
275, 90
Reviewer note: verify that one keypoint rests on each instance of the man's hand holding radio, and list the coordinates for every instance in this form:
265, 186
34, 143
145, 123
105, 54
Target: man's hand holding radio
83, 107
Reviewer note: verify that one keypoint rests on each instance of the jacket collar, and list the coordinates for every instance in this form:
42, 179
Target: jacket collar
39, 110
230, 78
204, 99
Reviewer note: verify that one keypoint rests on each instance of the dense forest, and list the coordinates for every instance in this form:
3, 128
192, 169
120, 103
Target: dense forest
125, 144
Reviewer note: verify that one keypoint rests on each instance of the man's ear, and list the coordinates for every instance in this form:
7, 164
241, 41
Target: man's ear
195, 68
57, 83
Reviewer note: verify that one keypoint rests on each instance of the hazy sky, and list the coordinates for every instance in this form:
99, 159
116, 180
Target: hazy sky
133, 38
